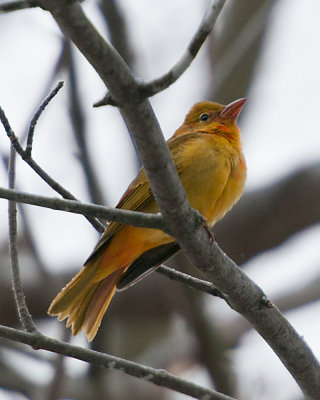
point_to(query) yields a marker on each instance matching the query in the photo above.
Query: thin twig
(163, 82)
(135, 218)
(46, 177)
(191, 281)
(159, 377)
(189, 55)
(28, 234)
(24, 315)
(18, 5)
(37, 115)
(54, 75)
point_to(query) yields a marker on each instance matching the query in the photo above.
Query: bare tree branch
(37, 115)
(18, 5)
(158, 377)
(300, 296)
(22, 308)
(189, 55)
(46, 177)
(157, 85)
(92, 210)
(28, 235)
(196, 283)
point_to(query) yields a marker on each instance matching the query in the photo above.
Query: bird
(207, 153)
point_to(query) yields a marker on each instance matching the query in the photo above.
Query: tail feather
(99, 303)
(78, 309)
(72, 290)
(83, 301)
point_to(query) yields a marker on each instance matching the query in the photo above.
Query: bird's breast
(213, 177)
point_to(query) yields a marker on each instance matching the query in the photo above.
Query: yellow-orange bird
(207, 153)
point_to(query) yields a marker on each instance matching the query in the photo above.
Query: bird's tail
(83, 301)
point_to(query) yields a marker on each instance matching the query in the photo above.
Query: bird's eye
(204, 117)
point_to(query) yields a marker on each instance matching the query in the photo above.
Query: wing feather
(139, 196)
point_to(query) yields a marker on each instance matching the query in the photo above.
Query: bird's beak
(232, 110)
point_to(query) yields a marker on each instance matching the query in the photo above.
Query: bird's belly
(216, 187)
(229, 197)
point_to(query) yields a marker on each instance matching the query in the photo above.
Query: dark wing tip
(147, 263)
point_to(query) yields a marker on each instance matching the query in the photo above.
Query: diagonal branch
(300, 296)
(196, 283)
(156, 376)
(37, 115)
(206, 26)
(26, 156)
(18, 5)
(163, 82)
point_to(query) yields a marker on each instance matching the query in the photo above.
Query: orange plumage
(207, 153)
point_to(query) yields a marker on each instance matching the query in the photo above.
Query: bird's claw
(211, 236)
(204, 223)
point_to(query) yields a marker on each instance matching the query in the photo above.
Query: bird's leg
(204, 223)
(211, 235)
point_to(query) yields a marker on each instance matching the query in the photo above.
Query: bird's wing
(138, 196)
(135, 198)
(147, 263)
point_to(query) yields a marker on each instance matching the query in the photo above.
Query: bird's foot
(211, 235)
(202, 220)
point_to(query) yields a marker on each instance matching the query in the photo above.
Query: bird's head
(210, 117)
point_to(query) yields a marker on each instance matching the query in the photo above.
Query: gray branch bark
(158, 377)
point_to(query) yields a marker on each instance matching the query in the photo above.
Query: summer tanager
(207, 154)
